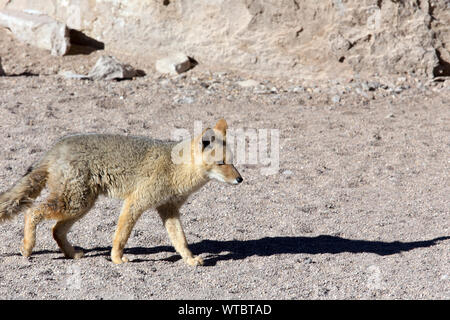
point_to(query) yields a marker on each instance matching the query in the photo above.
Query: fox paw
(25, 252)
(76, 254)
(119, 260)
(194, 261)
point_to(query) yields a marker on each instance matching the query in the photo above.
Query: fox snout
(225, 173)
(238, 179)
(235, 179)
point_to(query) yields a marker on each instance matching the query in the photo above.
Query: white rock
(248, 83)
(38, 30)
(183, 100)
(296, 89)
(336, 99)
(72, 75)
(174, 64)
(106, 68)
(109, 68)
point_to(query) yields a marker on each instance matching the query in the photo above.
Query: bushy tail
(22, 194)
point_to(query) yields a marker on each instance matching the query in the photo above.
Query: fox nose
(239, 179)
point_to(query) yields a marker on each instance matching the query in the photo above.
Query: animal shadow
(268, 246)
(217, 250)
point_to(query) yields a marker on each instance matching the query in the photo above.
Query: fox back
(111, 164)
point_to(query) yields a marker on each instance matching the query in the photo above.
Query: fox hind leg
(32, 218)
(66, 208)
(60, 230)
(72, 210)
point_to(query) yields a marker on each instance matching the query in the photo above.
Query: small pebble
(336, 99)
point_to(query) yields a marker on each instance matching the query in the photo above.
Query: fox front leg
(170, 216)
(127, 219)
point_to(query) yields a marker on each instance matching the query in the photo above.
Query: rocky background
(290, 38)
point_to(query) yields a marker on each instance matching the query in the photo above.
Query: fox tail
(21, 195)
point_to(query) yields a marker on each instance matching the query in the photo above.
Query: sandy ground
(358, 209)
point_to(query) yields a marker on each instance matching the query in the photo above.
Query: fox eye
(205, 143)
(220, 163)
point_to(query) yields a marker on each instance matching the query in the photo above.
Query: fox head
(217, 159)
(208, 155)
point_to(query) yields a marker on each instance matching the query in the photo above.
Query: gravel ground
(358, 209)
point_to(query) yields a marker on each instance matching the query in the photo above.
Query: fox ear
(221, 126)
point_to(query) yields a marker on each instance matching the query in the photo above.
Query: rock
(401, 80)
(365, 86)
(174, 64)
(109, 68)
(71, 75)
(164, 82)
(184, 100)
(106, 68)
(221, 74)
(308, 260)
(398, 89)
(38, 30)
(376, 136)
(339, 46)
(361, 92)
(296, 89)
(373, 85)
(336, 99)
(248, 83)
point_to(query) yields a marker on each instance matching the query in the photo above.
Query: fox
(141, 171)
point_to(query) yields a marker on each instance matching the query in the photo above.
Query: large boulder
(37, 29)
